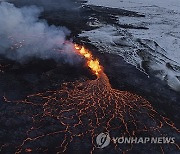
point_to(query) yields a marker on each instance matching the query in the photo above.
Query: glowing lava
(92, 63)
(69, 119)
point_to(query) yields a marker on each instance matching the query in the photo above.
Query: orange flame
(92, 63)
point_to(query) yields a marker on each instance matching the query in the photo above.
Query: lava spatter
(69, 119)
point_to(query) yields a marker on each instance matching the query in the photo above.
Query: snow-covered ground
(162, 18)
(134, 4)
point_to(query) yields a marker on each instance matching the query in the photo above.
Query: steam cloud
(23, 36)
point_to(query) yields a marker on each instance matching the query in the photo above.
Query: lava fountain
(69, 119)
(92, 63)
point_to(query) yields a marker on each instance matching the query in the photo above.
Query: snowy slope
(133, 4)
(162, 18)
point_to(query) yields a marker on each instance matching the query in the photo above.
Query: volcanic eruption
(68, 119)
(92, 63)
(78, 111)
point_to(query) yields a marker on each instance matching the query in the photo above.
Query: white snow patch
(133, 4)
(163, 20)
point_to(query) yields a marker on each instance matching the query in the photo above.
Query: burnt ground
(19, 80)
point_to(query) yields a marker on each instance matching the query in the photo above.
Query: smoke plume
(23, 36)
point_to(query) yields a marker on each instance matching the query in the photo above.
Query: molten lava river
(69, 119)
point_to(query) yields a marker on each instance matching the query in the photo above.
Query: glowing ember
(92, 63)
(28, 150)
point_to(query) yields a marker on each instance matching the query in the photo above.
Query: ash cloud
(24, 36)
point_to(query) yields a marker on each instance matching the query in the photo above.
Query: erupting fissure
(70, 118)
(92, 63)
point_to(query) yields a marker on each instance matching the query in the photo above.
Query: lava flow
(69, 119)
